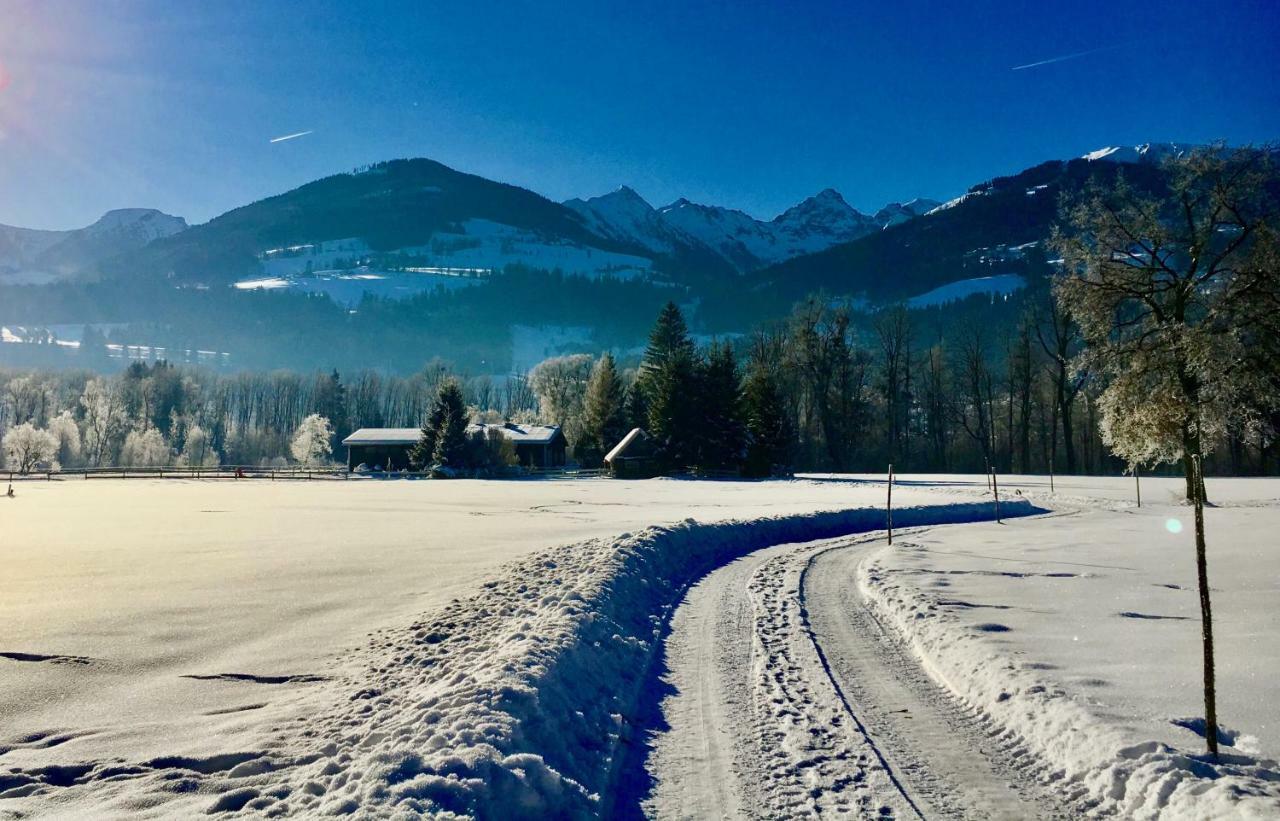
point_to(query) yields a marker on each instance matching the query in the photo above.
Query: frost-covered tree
(311, 443)
(198, 450)
(103, 420)
(1177, 292)
(26, 447)
(561, 386)
(67, 432)
(145, 449)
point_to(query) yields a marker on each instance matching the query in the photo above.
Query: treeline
(261, 330)
(826, 389)
(833, 389)
(161, 414)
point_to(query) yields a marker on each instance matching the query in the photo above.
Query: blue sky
(121, 103)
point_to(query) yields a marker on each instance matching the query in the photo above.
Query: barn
(388, 448)
(636, 456)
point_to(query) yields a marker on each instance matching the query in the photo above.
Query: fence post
(888, 505)
(1137, 481)
(995, 490)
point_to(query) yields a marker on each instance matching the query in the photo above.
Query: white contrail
(291, 136)
(1064, 57)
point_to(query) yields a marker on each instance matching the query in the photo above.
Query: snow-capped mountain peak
(814, 224)
(1145, 153)
(624, 216)
(33, 256)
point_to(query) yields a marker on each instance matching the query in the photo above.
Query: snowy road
(790, 699)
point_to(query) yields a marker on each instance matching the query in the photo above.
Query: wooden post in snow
(995, 490)
(1137, 483)
(888, 506)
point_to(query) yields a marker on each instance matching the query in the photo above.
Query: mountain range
(422, 215)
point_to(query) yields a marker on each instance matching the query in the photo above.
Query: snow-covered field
(170, 628)
(486, 648)
(1078, 636)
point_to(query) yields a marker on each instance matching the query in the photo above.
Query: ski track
(792, 701)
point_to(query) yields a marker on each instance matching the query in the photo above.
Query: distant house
(636, 456)
(388, 448)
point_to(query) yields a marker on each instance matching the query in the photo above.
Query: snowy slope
(999, 285)
(1145, 153)
(896, 213)
(465, 255)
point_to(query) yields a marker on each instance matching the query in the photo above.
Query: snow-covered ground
(166, 643)
(1077, 635)
(488, 648)
(998, 286)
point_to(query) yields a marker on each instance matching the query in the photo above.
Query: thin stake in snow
(995, 491)
(1137, 483)
(888, 506)
(1206, 613)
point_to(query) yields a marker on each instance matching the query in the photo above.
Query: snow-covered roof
(520, 434)
(620, 449)
(384, 436)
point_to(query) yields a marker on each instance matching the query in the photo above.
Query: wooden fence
(287, 473)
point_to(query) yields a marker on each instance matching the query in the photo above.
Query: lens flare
(1173, 525)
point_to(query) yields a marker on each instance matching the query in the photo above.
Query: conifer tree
(451, 436)
(768, 432)
(604, 417)
(722, 435)
(635, 408)
(669, 379)
(444, 432)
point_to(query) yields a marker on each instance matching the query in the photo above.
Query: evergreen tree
(444, 432)
(604, 416)
(331, 403)
(722, 435)
(768, 433)
(451, 435)
(669, 380)
(634, 407)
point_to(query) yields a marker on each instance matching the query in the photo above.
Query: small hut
(635, 457)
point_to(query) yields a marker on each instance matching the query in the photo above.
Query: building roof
(384, 436)
(635, 445)
(520, 434)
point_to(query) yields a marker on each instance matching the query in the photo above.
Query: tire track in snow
(816, 719)
(945, 755)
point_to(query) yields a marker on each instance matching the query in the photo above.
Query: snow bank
(1061, 739)
(512, 702)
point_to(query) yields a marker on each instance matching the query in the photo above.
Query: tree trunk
(1206, 616)
(1068, 434)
